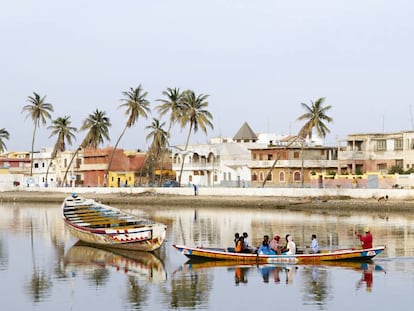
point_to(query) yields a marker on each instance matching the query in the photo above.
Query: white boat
(103, 225)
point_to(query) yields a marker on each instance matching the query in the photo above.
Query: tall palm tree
(195, 114)
(64, 132)
(4, 135)
(97, 124)
(136, 105)
(315, 116)
(159, 140)
(173, 105)
(39, 111)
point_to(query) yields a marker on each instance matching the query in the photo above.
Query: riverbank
(151, 198)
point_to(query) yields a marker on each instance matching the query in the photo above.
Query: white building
(223, 162)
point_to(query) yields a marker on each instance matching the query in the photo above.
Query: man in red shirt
(366, 239)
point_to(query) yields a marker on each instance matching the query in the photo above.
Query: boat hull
(200, 253)
(102, 225)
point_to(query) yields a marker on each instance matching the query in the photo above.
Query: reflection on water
(43, 267)
(143, 265)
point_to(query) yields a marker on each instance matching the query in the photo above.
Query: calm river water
(42, 267)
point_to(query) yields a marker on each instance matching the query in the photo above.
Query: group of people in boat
(276, 247)
(271, 247)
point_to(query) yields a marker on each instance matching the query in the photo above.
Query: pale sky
(258, 60)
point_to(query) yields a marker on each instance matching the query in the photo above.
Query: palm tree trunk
(112, 155)
(163, 151)
(277, 159)
(185, 149)
(31, 159)
(70, 164)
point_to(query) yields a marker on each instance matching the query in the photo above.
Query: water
(42, 267)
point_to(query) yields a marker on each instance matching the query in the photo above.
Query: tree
(159, 140)
(315, 116)
(195, 114)
(136, 106)
(173, 105)
(39, 111)
(4, 135)
(64, 132)
(98, 125)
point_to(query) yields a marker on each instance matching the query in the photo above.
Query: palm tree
(315, 116)
(64, 132)
(4, 135)
(172, 104)
(195, 114)
(98, 125)
(39, 111)
(159, 140)
(136, 105)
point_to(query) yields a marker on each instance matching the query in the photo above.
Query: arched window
(282, 177)
(269, 177)
(296, 176)
(261, 176)
(254, 176)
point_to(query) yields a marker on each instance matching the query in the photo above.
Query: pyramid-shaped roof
(245, 134)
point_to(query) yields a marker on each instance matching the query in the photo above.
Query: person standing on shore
(195, 189)
(366, 240)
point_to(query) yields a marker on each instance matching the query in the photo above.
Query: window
(296, 155)
(254, 156)
(254, 176)
(382, 167)
(398, 144)
(269, 177)
(261, 176)
(399, 163)
(282, 177)
(36, 165)
(381, 145)
(296, 176)
(269, 156)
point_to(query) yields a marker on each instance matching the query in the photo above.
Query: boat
(143, 265)
(347, 254)
(103, 225)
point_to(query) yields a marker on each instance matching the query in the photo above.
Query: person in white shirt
(314, 245)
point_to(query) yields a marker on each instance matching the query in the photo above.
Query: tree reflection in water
(3, 255)
(137, 294)
(316, 287)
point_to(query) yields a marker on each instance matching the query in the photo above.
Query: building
(290, 162)
(377, 152)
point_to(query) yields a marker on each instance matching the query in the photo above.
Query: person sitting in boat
(247, 248)
(314, 248)
(275, 245)
(236, 238)
(264, 248)
(366, 240)
(290, 248)
(239, 245)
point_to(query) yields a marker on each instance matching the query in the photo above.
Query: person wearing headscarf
(274, 244)
(366, 239)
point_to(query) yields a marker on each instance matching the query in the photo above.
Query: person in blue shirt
(314, 245)
(265, 248)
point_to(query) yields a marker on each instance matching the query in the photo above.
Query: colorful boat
(348, 254)
(103, 225)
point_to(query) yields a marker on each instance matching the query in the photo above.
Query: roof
(245, 133)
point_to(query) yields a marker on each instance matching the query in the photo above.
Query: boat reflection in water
(143, 265)
(279, 273)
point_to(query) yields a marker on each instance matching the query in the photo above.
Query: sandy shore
(153, 199)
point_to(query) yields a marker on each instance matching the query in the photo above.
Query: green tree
(136, 105)
(173, 105)
(159, 142)
(39, 111)
(61, 127)
(315, 116)
(4, 135)
(97, 124)
(195, 115)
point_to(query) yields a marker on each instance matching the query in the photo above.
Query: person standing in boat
(366, 240)
(314, 245)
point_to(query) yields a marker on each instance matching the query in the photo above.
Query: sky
(257, 61)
